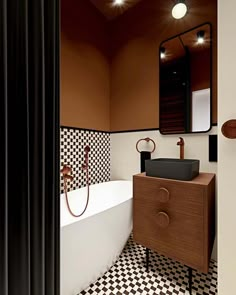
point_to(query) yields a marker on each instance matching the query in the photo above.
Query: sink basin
(179, 169)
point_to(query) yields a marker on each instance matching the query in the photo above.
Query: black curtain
(29, 147)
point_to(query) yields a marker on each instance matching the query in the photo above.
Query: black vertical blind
(29, 147)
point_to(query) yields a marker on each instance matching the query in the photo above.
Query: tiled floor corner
(128, 276)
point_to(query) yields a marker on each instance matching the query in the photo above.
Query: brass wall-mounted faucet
(65, 172)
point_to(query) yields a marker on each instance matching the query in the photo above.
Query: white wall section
(227, 147)
(125, 160)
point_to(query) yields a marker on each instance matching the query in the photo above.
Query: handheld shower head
(87, 149)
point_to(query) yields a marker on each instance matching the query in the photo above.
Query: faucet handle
(65, 169)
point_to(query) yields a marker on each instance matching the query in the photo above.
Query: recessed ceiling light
(200, 37)
(118, 2)
(179, 10)
(162, 52)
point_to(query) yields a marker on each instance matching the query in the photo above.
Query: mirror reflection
(185, 82)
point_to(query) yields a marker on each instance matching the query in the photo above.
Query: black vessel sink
(179, 169)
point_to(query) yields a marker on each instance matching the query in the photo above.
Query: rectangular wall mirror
(185, 82)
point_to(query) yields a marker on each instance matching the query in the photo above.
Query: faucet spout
(181, 145)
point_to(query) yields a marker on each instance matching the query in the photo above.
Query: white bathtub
(91, 243)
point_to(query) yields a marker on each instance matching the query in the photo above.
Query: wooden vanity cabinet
(176, 218)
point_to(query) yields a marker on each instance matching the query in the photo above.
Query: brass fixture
(181, 145)
(147, 139)
(70, 177)
(65, 172)
(87, 150)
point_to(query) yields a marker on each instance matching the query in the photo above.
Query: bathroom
(99, 67)
(110, 98)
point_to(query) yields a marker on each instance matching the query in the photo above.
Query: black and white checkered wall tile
(165, 276)
(72, 144)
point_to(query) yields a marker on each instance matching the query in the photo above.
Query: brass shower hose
(65, 170)
(67, 201)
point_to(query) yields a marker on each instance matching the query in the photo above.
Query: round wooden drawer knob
(163, 219)
(163, 195)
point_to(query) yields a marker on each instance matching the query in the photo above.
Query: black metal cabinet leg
(147, 259)
(190, 279)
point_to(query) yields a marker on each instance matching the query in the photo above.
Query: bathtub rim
(73, 219)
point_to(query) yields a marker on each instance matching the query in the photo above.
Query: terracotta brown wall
(135, 38)
(85, 68)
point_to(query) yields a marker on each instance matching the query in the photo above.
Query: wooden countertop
(203, 178)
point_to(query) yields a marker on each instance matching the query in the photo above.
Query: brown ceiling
(174, 47)
(110, 11)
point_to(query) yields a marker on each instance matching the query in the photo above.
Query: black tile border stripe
(105, 131)
(84, 129)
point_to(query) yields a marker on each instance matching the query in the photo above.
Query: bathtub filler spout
(181, 146)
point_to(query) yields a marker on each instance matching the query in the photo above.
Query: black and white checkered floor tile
(129, 276)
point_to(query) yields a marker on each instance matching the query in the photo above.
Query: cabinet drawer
(170, 195)
(171, 233)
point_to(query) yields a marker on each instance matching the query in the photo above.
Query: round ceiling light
(118, 2)
(179, 10)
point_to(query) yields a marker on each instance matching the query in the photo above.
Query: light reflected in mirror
(185, 82)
